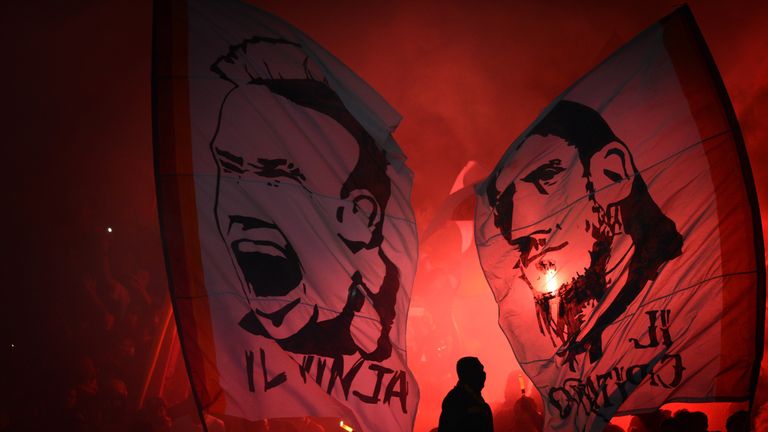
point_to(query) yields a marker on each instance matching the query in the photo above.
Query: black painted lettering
(249, 370)
(602, 382)
(400, 380)
(677, 370)
(620, 383)
(653, 340)
(373, 398)
(305, 366)
(561, 400)
(274, 382)
(585, 394)
(636, 373)
(654, 317)
(337, 372)
(320, 370)
(665, 316)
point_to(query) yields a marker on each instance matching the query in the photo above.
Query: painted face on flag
(300, 204)
(551, 248)
(575, 212)
(657, 311)
(275, 214)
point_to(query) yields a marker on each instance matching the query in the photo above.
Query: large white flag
(285, 212)
(620, 235)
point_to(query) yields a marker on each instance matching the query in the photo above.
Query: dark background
(467, 77)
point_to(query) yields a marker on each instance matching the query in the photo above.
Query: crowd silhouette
(96, 382)
(101, 350)
(465, 410)
(114, 337)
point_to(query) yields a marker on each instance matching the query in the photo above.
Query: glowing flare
(345, 427)
(109, 229)
(551, 281)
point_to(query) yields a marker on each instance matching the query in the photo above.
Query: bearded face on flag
(614, 234)
(583, 268)
(301, 213)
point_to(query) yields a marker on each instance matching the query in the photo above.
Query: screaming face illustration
(584, 268)
(302, 190)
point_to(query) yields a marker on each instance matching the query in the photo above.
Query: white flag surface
(285, 210)
(620, 235)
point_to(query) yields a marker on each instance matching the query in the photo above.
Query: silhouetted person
(670, 425)
(525, 416)
(648, 422)
(738, 422)
(115, 414)
(464, 408)
(514, 415)
(153, 416)
(685, 419)
(699, 422)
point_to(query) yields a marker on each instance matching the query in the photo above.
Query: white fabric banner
(619, 237)
(304, 233)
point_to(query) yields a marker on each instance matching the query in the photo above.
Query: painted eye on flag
(544, 176)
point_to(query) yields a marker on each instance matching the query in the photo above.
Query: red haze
(467, 77)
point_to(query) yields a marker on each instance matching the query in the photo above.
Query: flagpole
(160, 342)
(166, 11)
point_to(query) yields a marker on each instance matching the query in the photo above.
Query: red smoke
(467, 77)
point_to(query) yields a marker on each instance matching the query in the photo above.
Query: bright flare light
(109, 229)
(551, 280)
(345, 427)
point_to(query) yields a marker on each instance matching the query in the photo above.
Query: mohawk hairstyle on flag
(313, 92)
(285, 210)
(367, 185)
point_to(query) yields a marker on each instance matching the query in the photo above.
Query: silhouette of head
(471, 372)
(699, 422)
(738, 422)
(525, 405)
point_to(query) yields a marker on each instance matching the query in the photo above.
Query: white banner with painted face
(301, 247)
(621, 238)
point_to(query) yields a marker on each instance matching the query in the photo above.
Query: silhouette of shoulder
(462, 410)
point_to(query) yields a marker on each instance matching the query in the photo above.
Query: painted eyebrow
(230, 162)
(272, 168)
(535, 177)
(269, 168)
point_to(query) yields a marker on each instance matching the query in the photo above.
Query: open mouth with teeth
(269, 268)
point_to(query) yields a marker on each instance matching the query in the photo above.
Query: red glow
(468, 80)
(467, 77)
